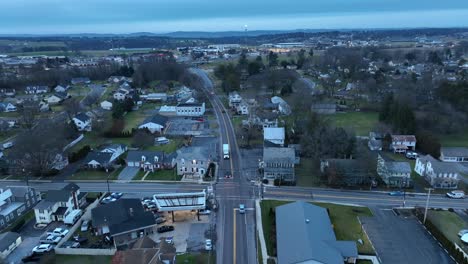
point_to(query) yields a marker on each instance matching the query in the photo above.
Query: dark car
(228, 175)
(116, 195)
(80, 240)
(160, 220)
(164, 229)
(71, 244)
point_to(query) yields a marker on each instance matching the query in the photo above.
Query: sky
(161, 16)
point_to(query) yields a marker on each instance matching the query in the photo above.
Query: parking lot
(188, 127)
(399, 238)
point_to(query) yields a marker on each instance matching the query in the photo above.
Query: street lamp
(427, 203)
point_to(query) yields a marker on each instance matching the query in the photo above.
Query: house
(190, 109)
(304, 234)
(148, 160)
(124, 220)
(324, 108)
(7, 107)
(454, 154)
(14, 202)
(106, 105)
(36, 89)
(348, 172)
(82, 122)
(394, 173)
(56, 98)
(267, 119)
(184, 93)
(403, 143)
(283, 107)
(156, 97)
(119, 79)
(115, 149)
(154, 124)
(98, 160)
(80, 80)
(120, 94)
(278, 163)
(437, 173)
(8, 242)
(274, 135)
(59, 203)
(192, 162)
(375, 141)
(234, 99)
(61, 89)
(242, 108)
(5, 92)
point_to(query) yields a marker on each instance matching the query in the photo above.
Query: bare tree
(91, 99)
(72, 107)
(28, 114)
(142, 139)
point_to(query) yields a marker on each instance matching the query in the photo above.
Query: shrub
(80, 154)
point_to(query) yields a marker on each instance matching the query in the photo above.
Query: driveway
(128, 173)
(400, 238)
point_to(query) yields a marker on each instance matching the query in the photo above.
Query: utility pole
(108, 187)
(427, 203)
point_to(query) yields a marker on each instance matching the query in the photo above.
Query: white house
(168, 110)
(7, 107)
(154, 124)
(106, 105)
(438, 174)
(190, 109)
(242, 108)
(8, 242)
(82, 122)
(36, 89)
(61, 89)
(454, 154)
(192, 162)
(274, 135)
(56, 98)
(115, 149)
(58, 204)
(234, 99)
(403, 143)
(121, 94)
(150, 160)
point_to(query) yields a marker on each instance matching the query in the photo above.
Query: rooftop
(454, 151)
(6, 239)
(180, 201)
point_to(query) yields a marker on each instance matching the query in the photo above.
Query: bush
(276, 182)
(80, 154)
(451, 210)
(265, 181)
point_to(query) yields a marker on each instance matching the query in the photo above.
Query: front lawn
(344, 220)
(361, 122)
(196, 258)
(449, 224)
(307, 174)
(173, 145)
(161, 175)
(133, 119)
(96, 175)
(455, 140)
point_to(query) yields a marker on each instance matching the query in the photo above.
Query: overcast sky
(126, 16)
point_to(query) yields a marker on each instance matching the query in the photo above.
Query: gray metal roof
(305, 234)
(439, 166)
(6, 239)
(454, 152)
(279, 155)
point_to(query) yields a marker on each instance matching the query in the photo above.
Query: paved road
(236, 233)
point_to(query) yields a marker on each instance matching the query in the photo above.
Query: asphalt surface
(394, 237)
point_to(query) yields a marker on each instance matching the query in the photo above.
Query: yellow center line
(234, 238)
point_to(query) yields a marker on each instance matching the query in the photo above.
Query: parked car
(396, 193)
(50, 239)
(71, 244)
(456, 194)
(160, 220)
(463, 232)
(208, 244)
(116, 195)
(204, 212)
(108, 200)
(411, 155)
(42, 248)
(241, 208)
(79, 239)
(85, 226)
(59, 232)
(164, 229)
(228, 175)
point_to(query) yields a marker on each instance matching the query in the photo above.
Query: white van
(456, 194)
(72, 217)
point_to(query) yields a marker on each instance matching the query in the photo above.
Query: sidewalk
(258, 217)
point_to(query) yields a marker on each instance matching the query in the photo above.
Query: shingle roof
(304, 233)
(83, 117)
(157, 119)
(279, 155)
(101, 157)
(57, 196)
(6, 239)
(404, 138)
(398, 166)
(439, 166)
(134, 155)
(454, 151)
(122, 215)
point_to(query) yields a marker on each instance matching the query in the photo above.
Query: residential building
(278, 163)
(394, 173)
(242, 108)
(437, 173)
(59, 203)
(124, 220)
(375, 141)
(57, 98)
(8, 242)
(120, 94)
(403, 143)
(184, 93)
(61, 89)
(38, 89)
(145, 250)
(115, 149)
(283, 107)
(82, 122)
(80, 80)
(190, 109)
(348, 172)
(454, 154)
(154, 124)
(161, 97)
(304, 234)
(274, 135)
(149, 160)
(193, 162)
(119, 79)
(98, 160)
(7, 107)
(14, 202)
(234, 99)
(106, 105)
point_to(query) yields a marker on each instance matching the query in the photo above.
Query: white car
(84, 226)
(456, 194)
(464, 238)
(208, 245)
(59, 232)
(204, 212)
(463, 232)
(42, 248)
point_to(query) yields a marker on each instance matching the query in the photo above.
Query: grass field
(456, 140)
(174, 144)
(161, 175)
(96, 175)
(361, 122)
(307, 174)
(343, 218)
(196, 258)
(448, 223)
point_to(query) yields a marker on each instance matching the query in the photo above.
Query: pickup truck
(456, 194)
